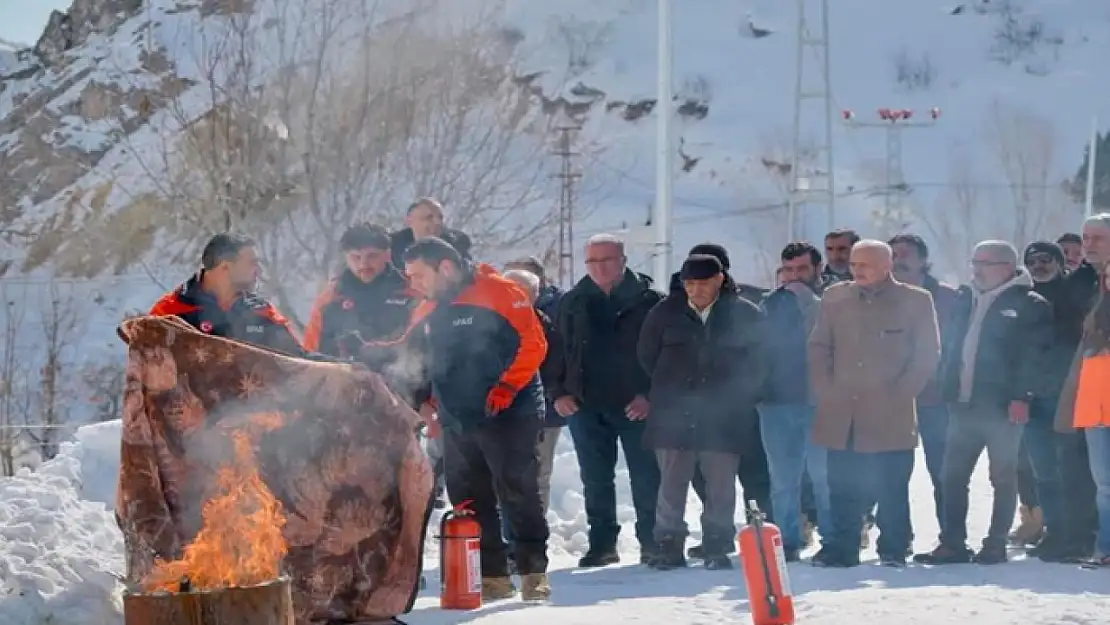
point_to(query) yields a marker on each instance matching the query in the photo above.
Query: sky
(22, 21)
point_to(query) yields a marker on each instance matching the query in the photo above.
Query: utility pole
(567, 176)
(817, 186)
(893, 122)
(1092, 158)
(664, 146)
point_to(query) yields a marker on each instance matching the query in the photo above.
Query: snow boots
(1031, 527)
(535, 587)
(497, 588)
(669, 554)
(598, 557)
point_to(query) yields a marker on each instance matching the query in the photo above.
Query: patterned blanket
(335, 447)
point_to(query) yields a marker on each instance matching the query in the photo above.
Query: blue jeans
(1098, 449)
(786, 431)
(932, 423)
(596, 434)
(1041, 442)
(854, 478)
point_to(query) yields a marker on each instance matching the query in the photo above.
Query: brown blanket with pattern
(345, 463)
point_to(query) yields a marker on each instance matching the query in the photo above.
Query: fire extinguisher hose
(447, 516)
(756, 518)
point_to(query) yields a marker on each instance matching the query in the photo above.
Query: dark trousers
(494, 462)
(1026, 480)
(596, 434)
(932, 423)
(972, 429)
(855, 480)
(1080, 514)
(755, 479)
(1040, 443)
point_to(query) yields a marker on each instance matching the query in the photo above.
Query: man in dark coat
(992, 372)
(425, 219)
(787, 409)
(703, 354)
(1039, 483)
(602, 390)
(755, 478)
(1081, 287)
(911, 266)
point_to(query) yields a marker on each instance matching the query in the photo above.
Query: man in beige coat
(873, 348)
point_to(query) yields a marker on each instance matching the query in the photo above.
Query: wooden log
(265, 604)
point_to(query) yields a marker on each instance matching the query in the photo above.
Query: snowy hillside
(135, 129)
(60, 553)
(86, 131)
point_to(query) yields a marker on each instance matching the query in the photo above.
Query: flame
(240, 543)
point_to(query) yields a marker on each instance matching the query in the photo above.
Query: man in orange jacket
(482, 346)
(220, 299)
(370, 297)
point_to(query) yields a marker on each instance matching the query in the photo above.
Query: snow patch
(61, 555)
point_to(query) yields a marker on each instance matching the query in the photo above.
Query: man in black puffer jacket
(602, 390)
(702, 350)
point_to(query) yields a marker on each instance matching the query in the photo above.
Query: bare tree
(349, 118)
(60, 322)
(961, 217)
(12, 382)
(1017, 199)
(1024, 147)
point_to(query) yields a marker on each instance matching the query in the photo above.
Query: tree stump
(266, 604)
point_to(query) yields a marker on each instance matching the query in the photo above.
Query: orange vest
(1092, 398)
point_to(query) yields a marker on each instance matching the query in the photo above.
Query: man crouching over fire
(483, 346)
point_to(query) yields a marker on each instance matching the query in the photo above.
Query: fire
(240, 543)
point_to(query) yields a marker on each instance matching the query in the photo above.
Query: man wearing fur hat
(702, 351)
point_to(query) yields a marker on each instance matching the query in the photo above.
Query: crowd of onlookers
(814, 393)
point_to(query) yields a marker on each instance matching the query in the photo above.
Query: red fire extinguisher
(764, 563)
(460, 559)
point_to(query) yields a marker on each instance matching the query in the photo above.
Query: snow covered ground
(60, 553)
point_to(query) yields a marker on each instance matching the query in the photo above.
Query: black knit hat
(714, 250)
(1044, 247)
(700, 267)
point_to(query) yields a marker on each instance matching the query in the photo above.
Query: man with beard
(425, 219)
(1081, 287)
(838, 250)
(999, 338)
(1046, 263)
(786, 412)
(873, 348)
(369, 298)
(911, 266)
(220, 299)
(602, 391)
(484, 346)
(1072, 245)
(702, 351)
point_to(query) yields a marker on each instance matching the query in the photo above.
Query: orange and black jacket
(379, 310)
(251, 319)
(482, 336)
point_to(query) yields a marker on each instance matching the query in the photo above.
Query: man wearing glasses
(993, 373)
(602, 390)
